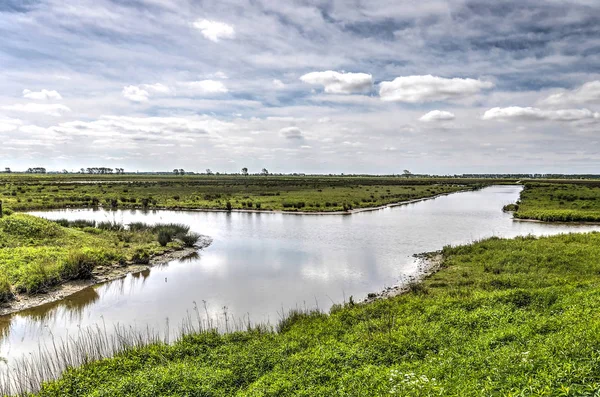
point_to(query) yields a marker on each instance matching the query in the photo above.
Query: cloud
(205, 87)
(41, 95)
(535, 114)
(7, 124)
(135, 93)
(418, 89)
(278, 84)
(340, 83)
(214, 30)
(291, 133)
(42, 108)
(437, 115)
(157, 87)
(587, 93)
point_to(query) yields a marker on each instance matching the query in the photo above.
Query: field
(503, 317)
(22, 192)
(37, 254)
(559, 202)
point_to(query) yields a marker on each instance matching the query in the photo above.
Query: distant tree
(176, 171)
(36, 170)
(208, 171)
(244, 171)
(264, 172)
(181, 171)
(65, 171)
(7, 170)
(82, 171)
(407, 173)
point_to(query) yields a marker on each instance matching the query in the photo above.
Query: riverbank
(272, 193)
(101, 274)
(43, 260)
(499, 317)
(559, 203)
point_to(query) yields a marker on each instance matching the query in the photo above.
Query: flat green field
(560, 202)
(288, 193)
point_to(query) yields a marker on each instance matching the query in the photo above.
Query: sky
(315, 86)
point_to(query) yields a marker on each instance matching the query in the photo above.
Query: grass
(502, 318)
(38, 254)
(553, 202)
(22, 192)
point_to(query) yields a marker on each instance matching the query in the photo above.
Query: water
(260, 264)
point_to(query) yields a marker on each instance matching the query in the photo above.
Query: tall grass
(27, 374)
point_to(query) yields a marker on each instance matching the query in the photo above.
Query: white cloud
(8, 124)
(205, 87)
(135, 93)
(157, 87)
(533, 114)
(43, 108)
(278, 84)
(41, 95)
(587, 93)
(417, 89)
(291, 133)
(437, 115)
(340, 83)
(214, 30)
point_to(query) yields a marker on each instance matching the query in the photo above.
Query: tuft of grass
(189, 239)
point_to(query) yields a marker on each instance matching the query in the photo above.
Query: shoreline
(583, 223)
(429, 264)
(349, 212)
(102, 274)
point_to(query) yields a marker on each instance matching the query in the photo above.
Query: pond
(261, 264)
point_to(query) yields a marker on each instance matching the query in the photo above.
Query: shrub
(77, 266)
(189, 239)
(164, 237)
(228, 206)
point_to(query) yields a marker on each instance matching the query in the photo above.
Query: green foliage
(560, 202)
(164, 238)
(37, 254)
(26, 226)
(189, 239)
(502, 318)
(289, 193)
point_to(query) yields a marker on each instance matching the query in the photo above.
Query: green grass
(37, 254)
(502, 318)
(287, 193)
(560, 202)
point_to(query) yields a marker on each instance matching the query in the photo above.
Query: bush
(164, 238)
(189, 239)
(77, 266)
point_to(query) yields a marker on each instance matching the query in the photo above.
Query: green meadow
(564, 202)
(22, 192)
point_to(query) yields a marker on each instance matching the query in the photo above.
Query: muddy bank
(429, 263)
(101, 274)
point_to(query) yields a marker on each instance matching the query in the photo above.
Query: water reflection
(261, 263)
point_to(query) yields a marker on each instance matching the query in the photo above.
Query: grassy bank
(502, 317)
(26, 192)
(554, 202)
(37, 254)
